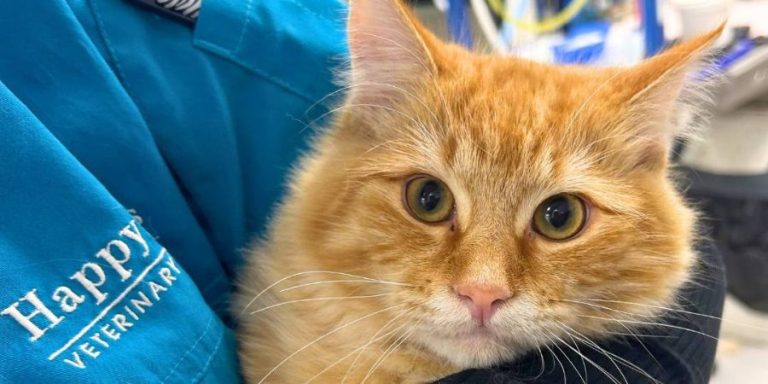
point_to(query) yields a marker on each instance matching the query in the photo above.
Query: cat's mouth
(474, 347)
(478, 336)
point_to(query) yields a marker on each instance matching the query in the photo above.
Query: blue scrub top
(138, 156)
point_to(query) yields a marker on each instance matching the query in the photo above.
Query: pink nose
(482, 300)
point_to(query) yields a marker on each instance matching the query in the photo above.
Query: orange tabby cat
(462, 208)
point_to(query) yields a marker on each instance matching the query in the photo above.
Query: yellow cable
(546, 25)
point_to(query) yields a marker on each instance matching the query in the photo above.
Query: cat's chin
(478, 348)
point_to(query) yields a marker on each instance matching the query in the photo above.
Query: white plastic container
(699, 16)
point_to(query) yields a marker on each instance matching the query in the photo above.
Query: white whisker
(331, 332)
(583, 363)
(658, 307)
(557, 359)
(599, 368)
(590, 343)
(366, 345)
(356, 350)
(359, 281)
(653, 324)
(253, 300)
(388, 352)
(543, 363)
(318, 299)
(583, 379)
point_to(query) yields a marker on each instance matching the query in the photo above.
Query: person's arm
(108, 110)
(681, 350)
(90, 292)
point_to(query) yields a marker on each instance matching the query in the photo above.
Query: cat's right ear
(388, 51)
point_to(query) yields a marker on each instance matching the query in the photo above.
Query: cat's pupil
(558, 212)
(430, 196)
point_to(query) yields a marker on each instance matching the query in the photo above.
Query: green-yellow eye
(428, 199)
(560, 217)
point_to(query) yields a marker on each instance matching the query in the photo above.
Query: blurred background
(725, 170)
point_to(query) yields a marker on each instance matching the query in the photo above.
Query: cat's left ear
(390, 52)
(655, 93)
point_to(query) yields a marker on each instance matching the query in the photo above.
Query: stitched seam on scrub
(228, 54)
(247, 21)
(119, 73)
(113, 55)
(294, 2)
(207, 365)
(190, 349)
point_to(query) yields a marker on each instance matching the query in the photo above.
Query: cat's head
(514, 201)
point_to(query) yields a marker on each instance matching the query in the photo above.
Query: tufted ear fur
(388, 50)
(657, 96)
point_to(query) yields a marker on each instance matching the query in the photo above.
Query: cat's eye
(560, 217)
(428, 199)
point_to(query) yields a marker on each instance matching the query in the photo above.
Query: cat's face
(515, 203)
